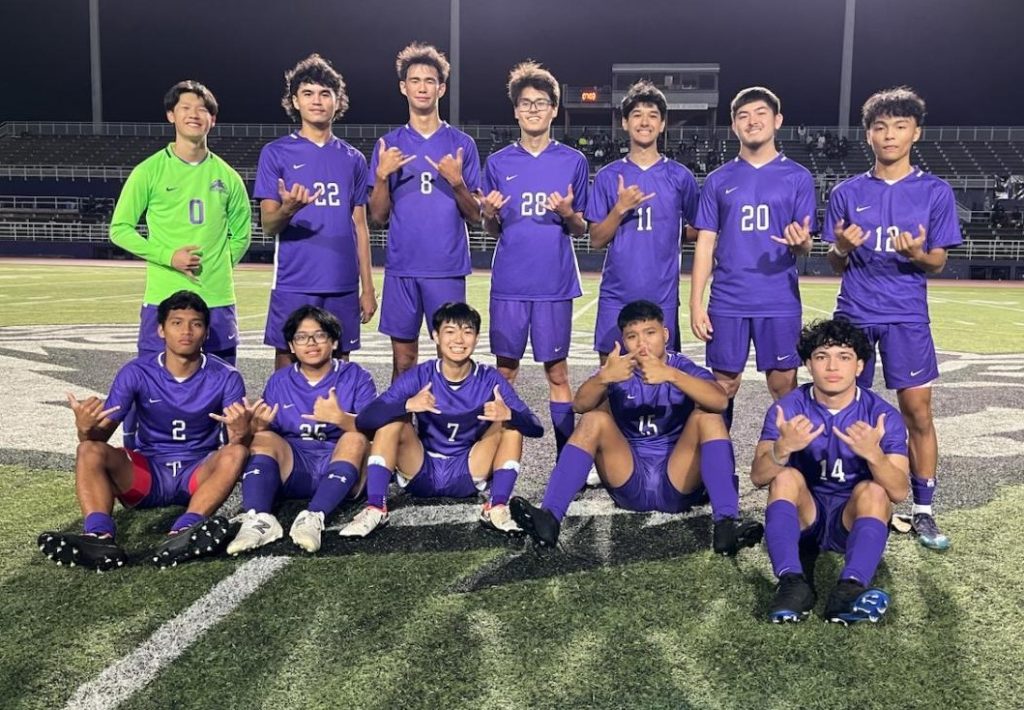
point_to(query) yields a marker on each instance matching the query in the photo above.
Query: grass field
(434, 613)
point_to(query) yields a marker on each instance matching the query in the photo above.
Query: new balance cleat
(98, 553)
(732, 535)
(499, 518)
(542, 527)
(851, 603)
(257, 530)
(366, 521)
(794, 599)
(200, 539)
(307, 530)
(928, 533)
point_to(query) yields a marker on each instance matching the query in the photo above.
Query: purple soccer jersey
(828, 464)
(534, 259)
(174, 417)
(746, 206)
(652, 417)
(294, 395)
(456, 428)
(316, 252)
(879, 285)
(643, 258)
(427, 235)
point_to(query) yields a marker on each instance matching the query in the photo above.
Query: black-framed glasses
(535, 105)
(319, 337)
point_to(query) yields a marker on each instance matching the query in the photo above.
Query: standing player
(428, 243)
(198, 221)
(312, 189)
(834, 458)
(761, 209)
(469, 429)
(181, 397)
(305, 443)
(651, 425)
(638, 209)
(536, 192)
(890, 227)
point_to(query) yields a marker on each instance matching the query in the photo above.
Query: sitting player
(469, 429)
(305, 443)
(182, 397)
(834, 458)
(651, 424)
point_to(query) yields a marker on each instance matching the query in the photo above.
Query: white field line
(585, 308)
(136, 670)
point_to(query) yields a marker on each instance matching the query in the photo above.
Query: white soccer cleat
(258, 529)
(307, 530)
(497, 517)
(366, 521)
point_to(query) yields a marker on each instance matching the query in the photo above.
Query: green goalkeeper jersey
(204, 205)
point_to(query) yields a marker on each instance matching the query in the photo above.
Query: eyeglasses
(535, 105)
(319, 337)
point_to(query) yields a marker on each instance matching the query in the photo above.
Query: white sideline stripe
(133, 672)
(585, 308)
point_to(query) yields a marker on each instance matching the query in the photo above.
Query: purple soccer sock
(99, 524)
(378, 478)
(782, 537)
(503, 481)
(923, 489)
(185, 520)
(337, 481)
(727, 414)
(261, 479)
(864, 548)
(563, 421)
(567, 479)
(717, 471)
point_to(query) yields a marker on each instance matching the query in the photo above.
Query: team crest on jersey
(218, 186)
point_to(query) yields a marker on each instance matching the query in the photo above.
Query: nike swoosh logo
(510, 177)
(170, 188)
(232, 336)
(861, 209)
(287, 406)
(558, 350)
(353, 342)
(298, 165)
(154, 401)
(629, 396)
(731, 189)
(780, 358)
(915, 373)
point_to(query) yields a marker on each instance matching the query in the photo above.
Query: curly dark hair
(314, 69)
(898, 102)
(829, 333)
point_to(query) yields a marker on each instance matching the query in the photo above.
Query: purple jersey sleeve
(690, 197)
(943, 222)
(234, 388)
(366, 390)
(707, 207)
(390, 405)
(470, 164)
(806, 201)
(123, 391)
(580, 186)
(267, 173)
(836, 212)
(894, 440)
(603, 195)
(523, 419)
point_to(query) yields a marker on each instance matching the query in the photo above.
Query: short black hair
(639, 311)
(752, 94)
(190, 86)
(644, 92)
(325, 319)
(898, 102)
(531, 74)
(314, 69)
(829, 333)
(458, 313)
(420, 53)
(183, 301)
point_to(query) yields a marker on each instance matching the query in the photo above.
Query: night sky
(964, 56)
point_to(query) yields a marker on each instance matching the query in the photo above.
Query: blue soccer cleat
(793, 601)
(851, 603)
(928, 533)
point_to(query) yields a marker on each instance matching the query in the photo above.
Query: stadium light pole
(94, 64)
(453, 79)
(846, 75)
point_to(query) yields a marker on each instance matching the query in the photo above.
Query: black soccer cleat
(732, 535)
(794, 599)
(98, 553)
(197, 540)
(539, 524)
(850, 603)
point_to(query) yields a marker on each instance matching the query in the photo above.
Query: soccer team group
(654, 426)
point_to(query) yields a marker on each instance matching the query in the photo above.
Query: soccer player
(181, 397)
(425, 174)
(536, 193)
(305, 444)
(312, 189)
(890, 228)
(638, 208)
(651, 424)
(834, 458)
(198, 221)
(469, 429)
(760, 207)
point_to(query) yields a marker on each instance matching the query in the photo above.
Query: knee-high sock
(568, 478)
(923, 490)
(337, 481)
(378, 478)
(864, 548)
(261, 480)
(503, 481)
(782, 537)
(718, 471)
(563, 421)
(185, 520)
(99, 524)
